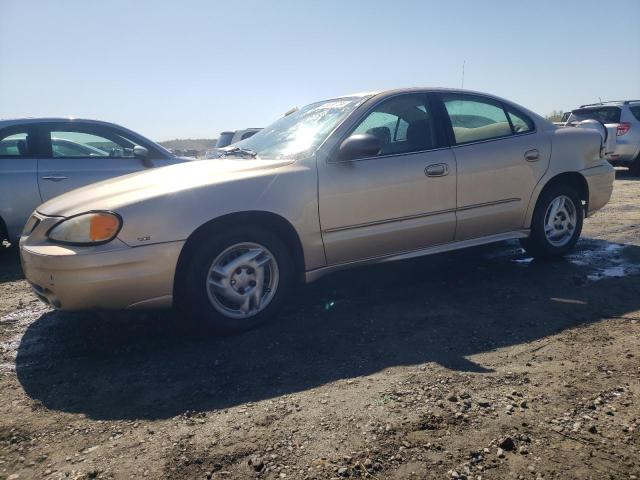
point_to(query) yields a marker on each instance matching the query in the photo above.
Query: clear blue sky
(192, 68)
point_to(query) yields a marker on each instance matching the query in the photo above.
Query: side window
(78, 143)
(475, 119)
(520, 122)
(636, 111)
(16, 144)
(403, 124)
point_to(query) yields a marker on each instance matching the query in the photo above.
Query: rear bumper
(624, 154)
(600, 182)
(108, 277)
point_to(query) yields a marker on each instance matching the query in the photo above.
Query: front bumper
(113, 276)
(600, 182)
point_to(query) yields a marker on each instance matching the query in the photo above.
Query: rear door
(500, 157)
(19, 195)
(83, 153)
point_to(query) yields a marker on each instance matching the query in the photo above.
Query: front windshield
(298, 135)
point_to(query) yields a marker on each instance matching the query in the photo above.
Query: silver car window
(474, 119)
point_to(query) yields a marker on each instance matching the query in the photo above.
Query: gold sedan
(339, 183)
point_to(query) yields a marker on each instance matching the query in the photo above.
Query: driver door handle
(532, 155)
(54, 178)
(437, 170)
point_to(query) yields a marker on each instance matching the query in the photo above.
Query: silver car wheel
(242, 280)
(560, 221)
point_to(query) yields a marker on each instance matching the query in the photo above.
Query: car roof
(5, 122)
(610, 103)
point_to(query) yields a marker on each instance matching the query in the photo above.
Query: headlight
(86, 229)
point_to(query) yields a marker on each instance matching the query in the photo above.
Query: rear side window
(602, 114)
(636, 111)
(16, 144)
(474, 119)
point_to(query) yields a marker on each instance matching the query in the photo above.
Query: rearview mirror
(361, 145)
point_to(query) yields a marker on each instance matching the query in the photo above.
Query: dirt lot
(475, 364)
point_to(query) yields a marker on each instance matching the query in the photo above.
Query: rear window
(603, 114)
(225, 139)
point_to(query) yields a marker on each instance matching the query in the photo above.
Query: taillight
(623, 128)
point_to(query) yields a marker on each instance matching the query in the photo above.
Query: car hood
(118, 192)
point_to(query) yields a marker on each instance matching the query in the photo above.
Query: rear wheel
(4, 238)
(556, 224)
(237, 280)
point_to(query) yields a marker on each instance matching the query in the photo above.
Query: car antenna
(463, 62)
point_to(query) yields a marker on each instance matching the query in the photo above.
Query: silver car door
(19, 194)
(81, 154)
(500, 157)
(400, 200)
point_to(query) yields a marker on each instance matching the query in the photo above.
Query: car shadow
(439, 309)
(10, 269)
(625, 174)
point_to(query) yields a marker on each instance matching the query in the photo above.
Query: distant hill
(190, 143)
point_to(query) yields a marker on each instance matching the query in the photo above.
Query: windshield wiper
(239, 151)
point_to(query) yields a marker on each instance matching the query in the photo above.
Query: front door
(400, 200)
(82, 154)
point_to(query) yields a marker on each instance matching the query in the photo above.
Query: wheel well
(4, 233)
(574, 179)
(267, 220)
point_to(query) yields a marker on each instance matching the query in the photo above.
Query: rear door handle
(437, 170)
(532, 155)
(54, 178)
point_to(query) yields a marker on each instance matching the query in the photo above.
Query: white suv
(625, 116)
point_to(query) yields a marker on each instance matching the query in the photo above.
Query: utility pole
(463, 62)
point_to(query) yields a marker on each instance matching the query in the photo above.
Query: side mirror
(142, 154)
(361, 145)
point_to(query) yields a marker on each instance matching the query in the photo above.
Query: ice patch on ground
(17, 321)
(606, 260)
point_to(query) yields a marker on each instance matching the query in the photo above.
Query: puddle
(523, 261)
(604, 259)
(600, 258)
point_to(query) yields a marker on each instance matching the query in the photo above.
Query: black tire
(194, 298)
(3, 238)
(537, 244)
(634, 168)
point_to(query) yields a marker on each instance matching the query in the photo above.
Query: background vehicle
(344, 182)
(229, 138)
(43, 158)
(625, 117)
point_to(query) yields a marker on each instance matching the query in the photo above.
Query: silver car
(43, 158)
(339, 183)
(625, 117)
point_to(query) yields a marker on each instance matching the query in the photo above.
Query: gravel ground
(479, 364)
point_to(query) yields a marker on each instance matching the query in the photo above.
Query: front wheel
(237, 280)
(634, 168)
(556, 224)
